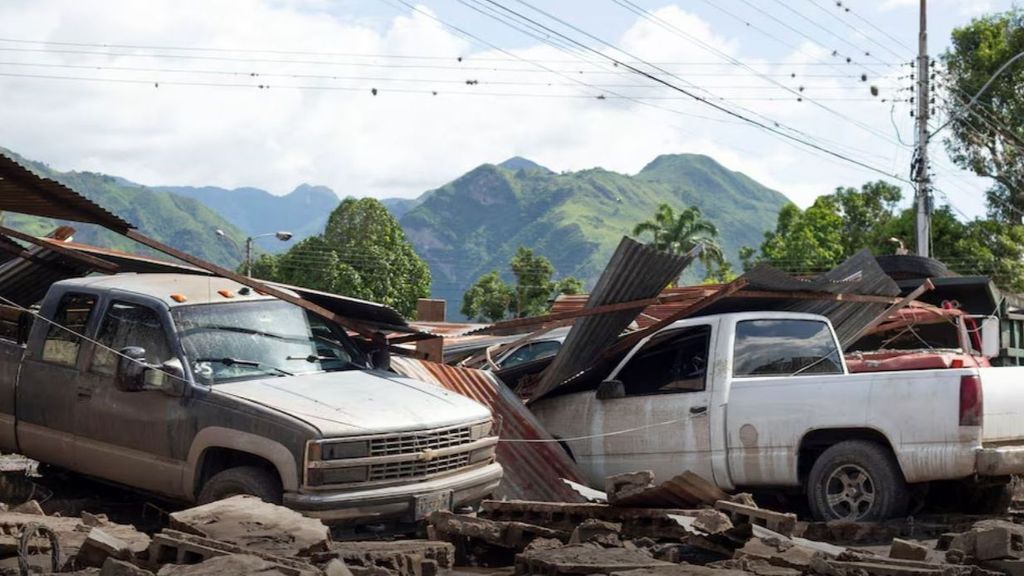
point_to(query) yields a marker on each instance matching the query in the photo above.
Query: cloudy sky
(390, 98)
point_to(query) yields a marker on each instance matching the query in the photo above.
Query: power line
(855, 29)
(691, 94)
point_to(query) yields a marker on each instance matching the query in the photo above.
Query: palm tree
(678, 234)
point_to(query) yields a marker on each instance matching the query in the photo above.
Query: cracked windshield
(246, 340)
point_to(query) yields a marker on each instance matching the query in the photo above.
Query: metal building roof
(25, 192)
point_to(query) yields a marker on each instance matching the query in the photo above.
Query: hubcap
(849, 492)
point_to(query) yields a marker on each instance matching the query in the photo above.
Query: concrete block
(581, 560)
(993, 544)
(99, 546)
(906, 550)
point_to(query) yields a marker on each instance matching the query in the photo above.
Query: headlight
(338, 450)
(481, 430)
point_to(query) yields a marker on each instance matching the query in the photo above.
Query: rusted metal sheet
(25, 192)
(26, 280)
(635, 271)
(534, 469)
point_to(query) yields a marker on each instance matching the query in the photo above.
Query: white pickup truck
(763, 400)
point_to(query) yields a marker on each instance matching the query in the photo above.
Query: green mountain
(303, 212)
(181, 222)
(475, 223)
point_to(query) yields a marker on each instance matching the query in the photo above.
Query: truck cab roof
(172, 289)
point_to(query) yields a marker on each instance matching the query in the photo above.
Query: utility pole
(922, 195)
(248, 256)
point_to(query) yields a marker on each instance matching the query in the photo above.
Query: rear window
(784, 348)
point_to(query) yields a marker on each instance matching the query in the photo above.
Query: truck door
(135, 438)
(666, 402)
(49, 385)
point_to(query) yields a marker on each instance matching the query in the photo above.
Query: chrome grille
(413, 442)
(414, 469)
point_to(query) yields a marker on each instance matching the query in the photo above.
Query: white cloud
(335, 132)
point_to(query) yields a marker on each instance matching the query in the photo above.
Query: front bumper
(394, 502)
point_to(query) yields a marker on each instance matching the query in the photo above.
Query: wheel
(251, 480)
(856, 480)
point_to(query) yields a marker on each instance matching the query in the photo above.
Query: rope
(32, 529)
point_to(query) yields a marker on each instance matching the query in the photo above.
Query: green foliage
(680, 233)
(475, 224)
(988, 138)
(362, 253)
(838, 225)
(491, 299)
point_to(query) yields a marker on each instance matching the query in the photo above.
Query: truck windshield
(245, 340)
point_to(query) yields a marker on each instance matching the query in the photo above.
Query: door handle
(84, 392)
(698, 409)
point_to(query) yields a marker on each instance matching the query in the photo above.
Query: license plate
(425, 504)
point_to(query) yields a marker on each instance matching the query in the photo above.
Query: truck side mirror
(610, 389)
(168, 378)
(131, 369)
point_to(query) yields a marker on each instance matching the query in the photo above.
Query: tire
(864, 480)
(250, 480)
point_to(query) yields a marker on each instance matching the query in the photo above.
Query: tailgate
(1003, 393)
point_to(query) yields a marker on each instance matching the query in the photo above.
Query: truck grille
(415, 442)
(398, 470)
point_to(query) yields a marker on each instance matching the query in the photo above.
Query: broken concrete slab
(597, 531)
(682, 491)
(743, 514)
(583, 559)
(564, 517)
(680, 570)
(173, 547)
(994, 544)
(114, 567)
(628, 484)
(712, 522)
(99, 545)
(231, 565)
(513, 535)
(1009, 567)
(907, 550)
(402, 557)
(255, 525)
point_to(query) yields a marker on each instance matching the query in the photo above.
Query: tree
(491, 299)
(988, 137)
(362, 253)
(682, 232)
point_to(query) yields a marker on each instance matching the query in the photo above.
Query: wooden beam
(98, 263)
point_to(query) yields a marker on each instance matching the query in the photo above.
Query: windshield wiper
(242, 362)
(243, 330)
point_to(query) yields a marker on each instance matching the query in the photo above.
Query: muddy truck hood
(356, 402)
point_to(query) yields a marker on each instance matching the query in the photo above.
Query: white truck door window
(666, 381)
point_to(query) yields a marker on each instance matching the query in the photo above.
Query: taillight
(970, 400)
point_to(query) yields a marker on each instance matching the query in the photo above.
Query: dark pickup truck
(199, 388)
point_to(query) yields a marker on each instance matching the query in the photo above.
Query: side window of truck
(63, 338)
(674, 361)
(129, 325)
(784, 348)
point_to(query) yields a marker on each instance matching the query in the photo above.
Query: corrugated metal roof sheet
(27, 281)
(25, 192)
(635, 271)
(533, 470)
